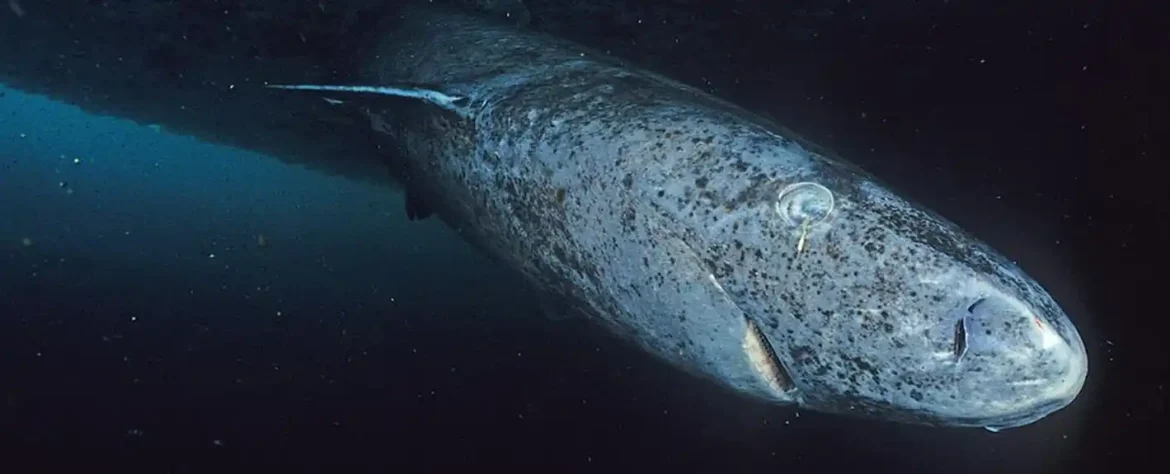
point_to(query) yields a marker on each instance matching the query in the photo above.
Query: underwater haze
(163, 295)
(169, 304)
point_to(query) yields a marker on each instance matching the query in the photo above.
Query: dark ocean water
(168, 305)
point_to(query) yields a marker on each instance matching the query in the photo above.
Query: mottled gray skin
(651, 207)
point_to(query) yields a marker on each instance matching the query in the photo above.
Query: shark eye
(804, 203)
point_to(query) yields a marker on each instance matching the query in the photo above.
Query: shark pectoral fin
(416, 206)
(433, 95)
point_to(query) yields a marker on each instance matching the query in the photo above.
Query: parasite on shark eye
(803, 204)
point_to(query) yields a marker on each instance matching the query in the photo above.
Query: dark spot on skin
(801, 353)
(916, 395)
(701, 182)
(952, 243)
(864, 366)
(629, 218)
(560, 195)
(628, 181)
(877, 244)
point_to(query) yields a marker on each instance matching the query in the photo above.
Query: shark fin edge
(433, 95)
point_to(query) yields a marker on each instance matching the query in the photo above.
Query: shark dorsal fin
(452, 102)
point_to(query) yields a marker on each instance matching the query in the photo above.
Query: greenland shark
(708, 236)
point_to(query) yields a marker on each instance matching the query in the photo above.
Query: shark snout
(1025, 366)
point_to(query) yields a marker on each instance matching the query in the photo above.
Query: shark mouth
(762, 358)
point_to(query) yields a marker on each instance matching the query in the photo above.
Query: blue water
(167, 305)
(153, 287)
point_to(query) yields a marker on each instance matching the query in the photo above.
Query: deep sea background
(173, 305)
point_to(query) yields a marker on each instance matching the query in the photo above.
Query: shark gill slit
(758, 350)
(763, 358)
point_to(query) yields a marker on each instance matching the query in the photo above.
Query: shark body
(705, 234)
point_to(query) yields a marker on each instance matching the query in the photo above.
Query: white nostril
(961, 339)
(959, 346)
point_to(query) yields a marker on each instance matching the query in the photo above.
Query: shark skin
(711, 237)
(706, 235)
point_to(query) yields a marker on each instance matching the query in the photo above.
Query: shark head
(850, 299)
